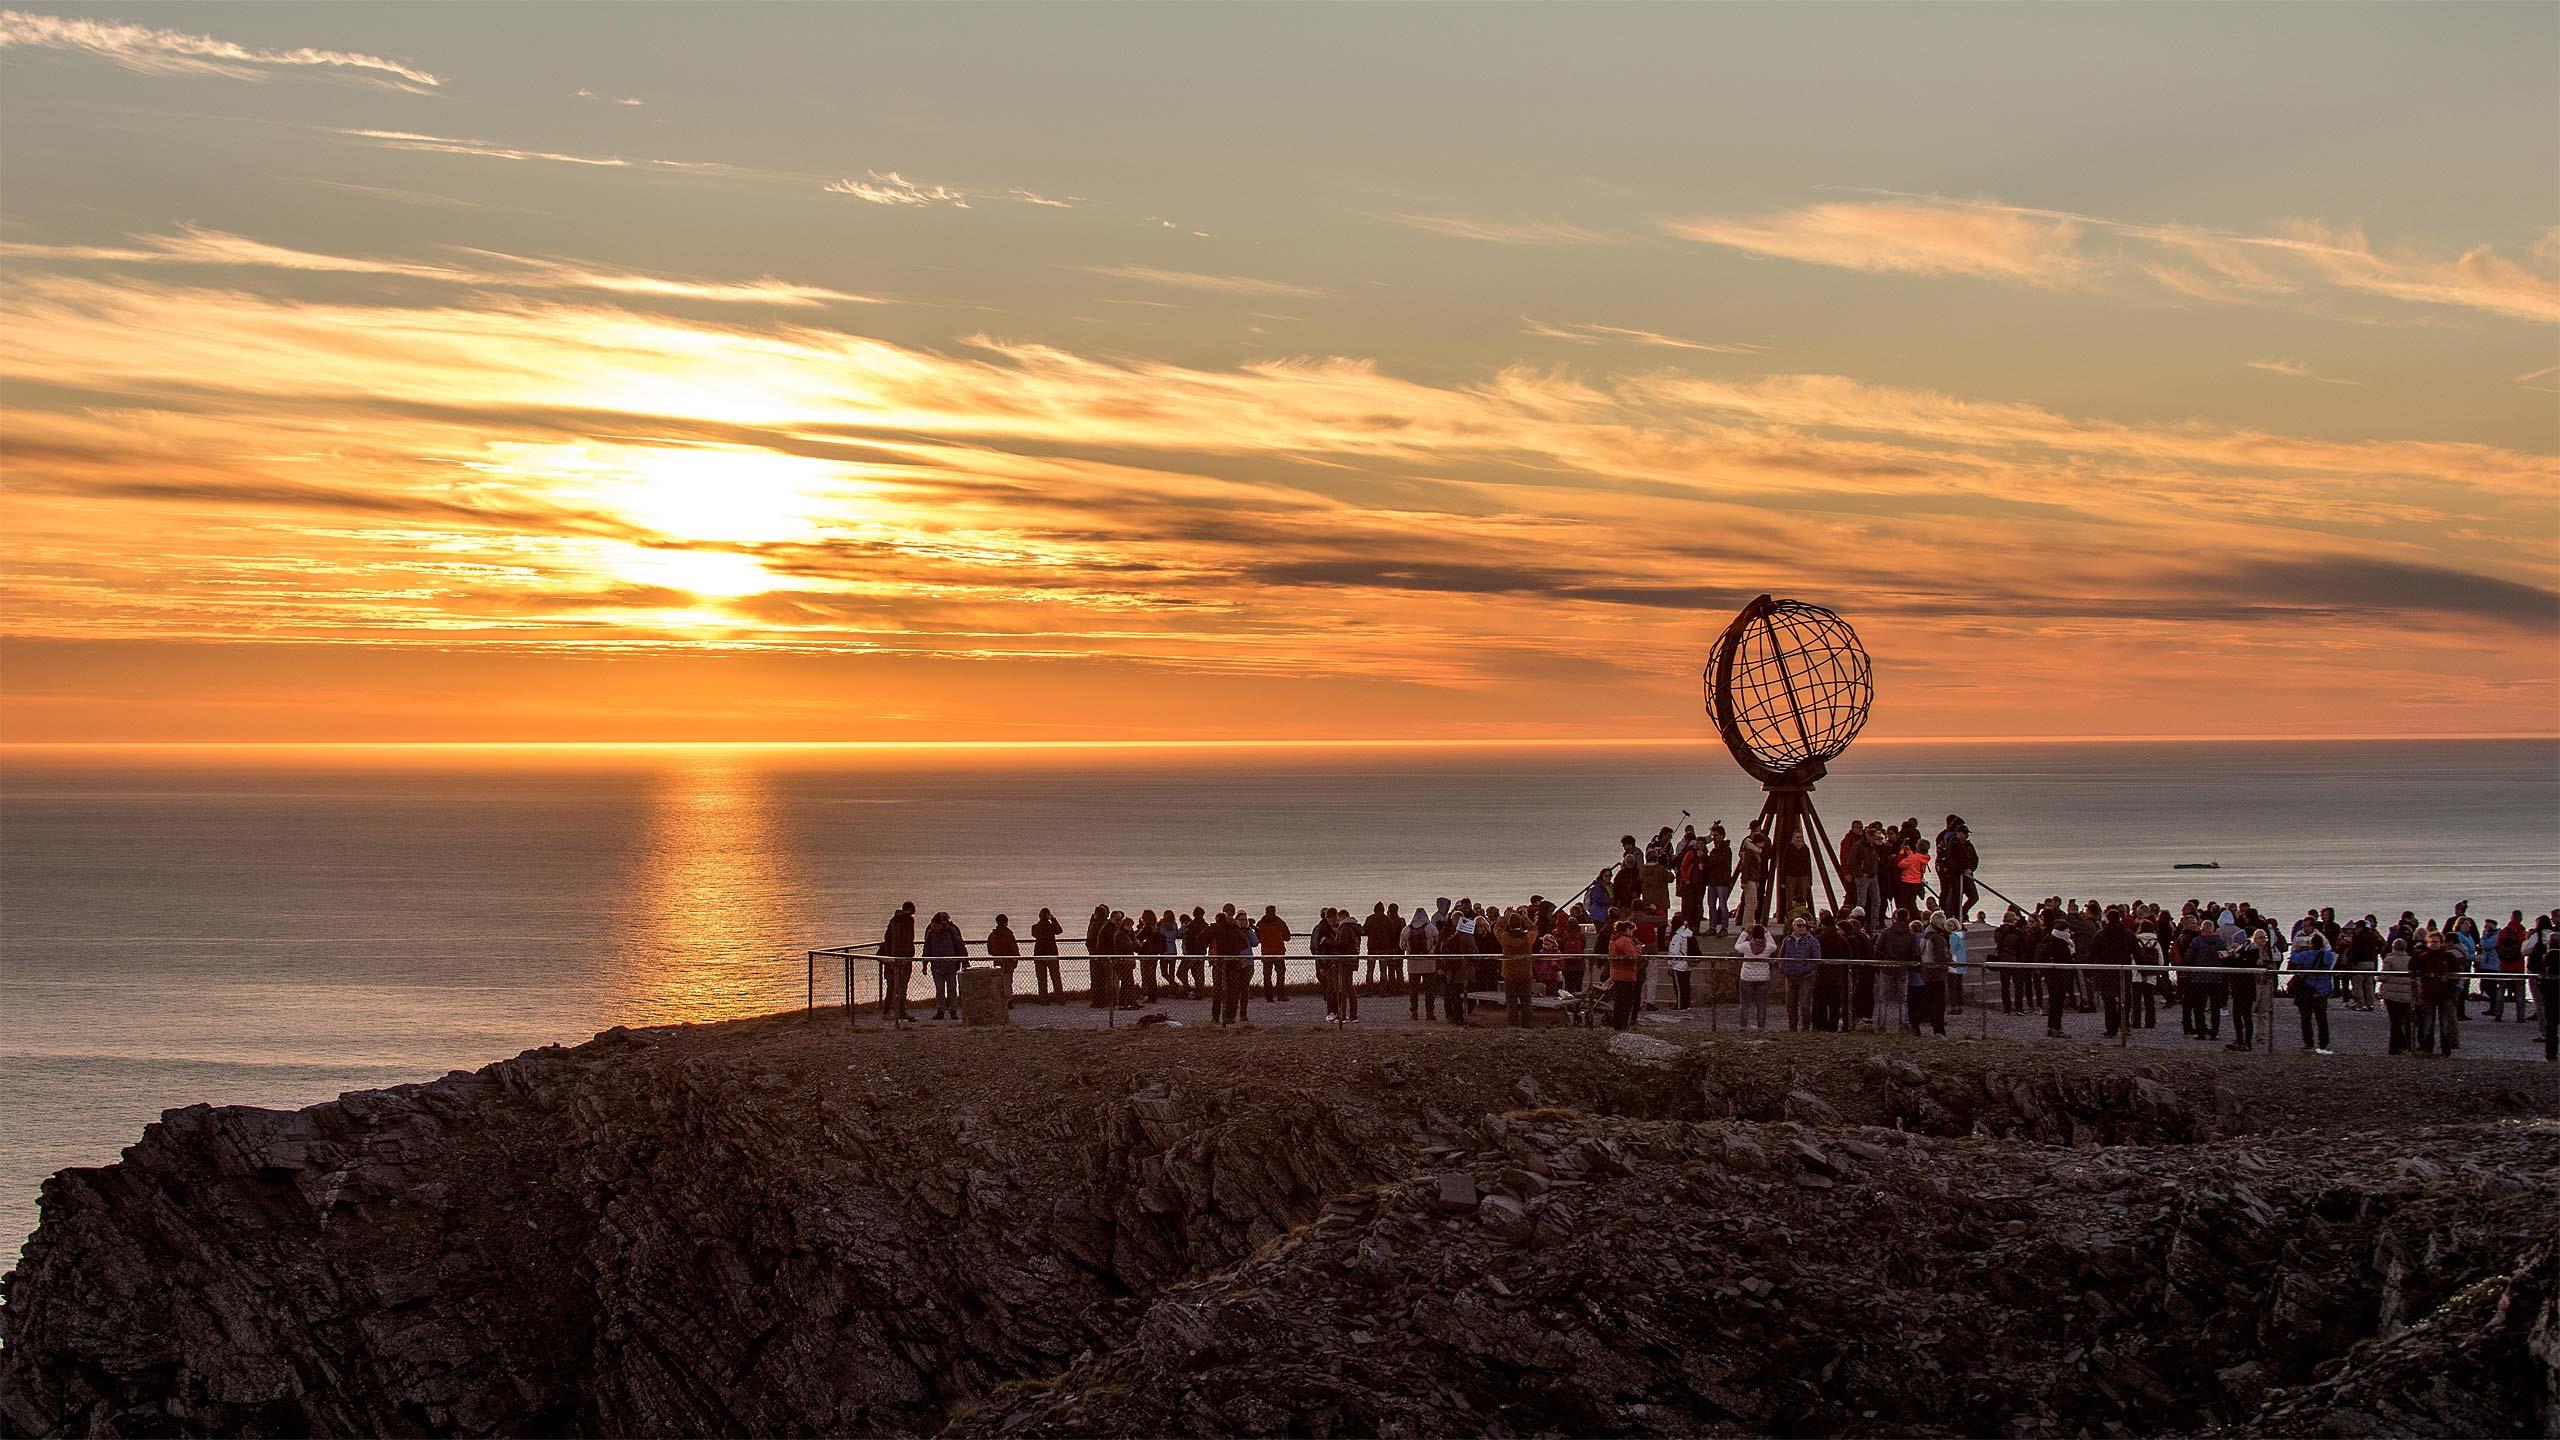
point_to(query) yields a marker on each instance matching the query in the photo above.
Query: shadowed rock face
(787, 1227)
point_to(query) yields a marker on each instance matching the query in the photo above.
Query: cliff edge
(790, 1226)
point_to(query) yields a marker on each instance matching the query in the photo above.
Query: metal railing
(1722, 967)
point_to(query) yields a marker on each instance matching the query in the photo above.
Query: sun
(698, 511)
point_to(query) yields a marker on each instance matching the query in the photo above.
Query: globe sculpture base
(1790, 820)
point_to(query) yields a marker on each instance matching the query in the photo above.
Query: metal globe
(1789, 687)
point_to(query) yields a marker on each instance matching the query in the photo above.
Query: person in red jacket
(1624, 956)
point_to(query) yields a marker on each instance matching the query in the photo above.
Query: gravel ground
(2351, 1032)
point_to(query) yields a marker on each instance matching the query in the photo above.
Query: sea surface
(274, 927)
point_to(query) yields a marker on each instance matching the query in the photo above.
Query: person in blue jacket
(2307, 980)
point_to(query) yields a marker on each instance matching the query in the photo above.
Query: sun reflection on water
(715, 897)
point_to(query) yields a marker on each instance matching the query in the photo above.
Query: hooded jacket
(2307, 969)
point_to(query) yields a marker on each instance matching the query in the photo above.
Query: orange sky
(466, 374)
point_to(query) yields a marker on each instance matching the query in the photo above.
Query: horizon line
(1453, 743)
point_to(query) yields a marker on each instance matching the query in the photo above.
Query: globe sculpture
(1789, 687)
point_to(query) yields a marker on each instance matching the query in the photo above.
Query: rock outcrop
(788, 1226)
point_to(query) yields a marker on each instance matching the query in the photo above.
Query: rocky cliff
(790, 1227)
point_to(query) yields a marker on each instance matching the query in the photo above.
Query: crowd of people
(1895, 955)
(2211, 959)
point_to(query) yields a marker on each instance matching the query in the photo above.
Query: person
(1004, 951)
(1195, 953)
(1045, 978)
(2200, 983)
(1550, 970)
(2542, 960)
(1876, 873)
(1795, 876)
(1959, 947)
(1658, 878)
(1519, 969)
(1691, 868)
(1957, 860)
(2307, 980)
(2503, 951)
(1911, 863)
(1623, 998)
(2434, 972)
(1799, 954)
(1169, 946)
(2399, 997)
(2361, 954)
(1147, 939)
(1897, 955)
(1830, 977)
(944, 953)
(1684, 946)
(2006, 951)
(1751, 872)
(1929, 979)
(1381, 931)
(1099, 970)
(2151, 931)
(1274, 933)
(1457, 945)
(1421, 968)
(1754, 951)
(2242, 986)
(1856, 860)
(1230, 968)
(897, 963)
(1571, 957)
(2055, 949)
(1719, 881)
(1857, 942)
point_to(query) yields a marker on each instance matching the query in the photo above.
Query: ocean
(275, 926)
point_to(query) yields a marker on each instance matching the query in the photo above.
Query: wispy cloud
(1588, 334)
(1917, 238)
(1028, 197)
(178, 52)
(1500, 232)
(888, 187)
(1195, 280)
(584, 94)
(394, 194)
(497, 269)
(2298, 370)
(1931, 235)
(449, 145)
(2307, 252)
